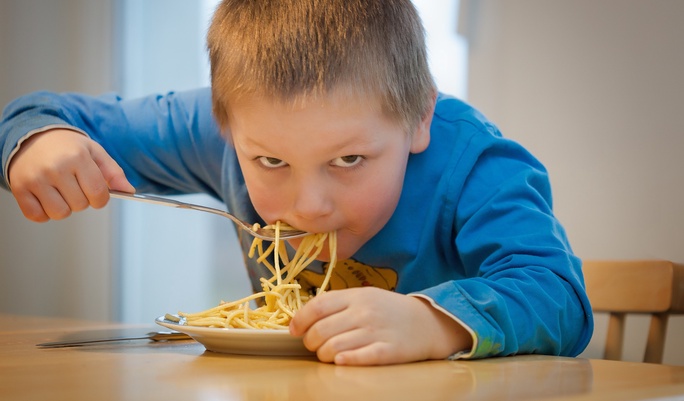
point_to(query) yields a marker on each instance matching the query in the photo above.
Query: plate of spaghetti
(265, 342)
(235, 327)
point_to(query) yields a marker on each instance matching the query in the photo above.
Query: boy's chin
(324, 256)
(342, 254)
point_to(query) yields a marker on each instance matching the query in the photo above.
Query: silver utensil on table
(267, 234)
(106, 336)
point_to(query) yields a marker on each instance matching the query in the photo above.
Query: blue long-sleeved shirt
(473, 232)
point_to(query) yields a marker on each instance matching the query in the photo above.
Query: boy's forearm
(129, 131)
(449, 336)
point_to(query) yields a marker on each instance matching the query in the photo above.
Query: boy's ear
(421, 137)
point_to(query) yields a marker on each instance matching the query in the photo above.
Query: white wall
(595, 89)
(57, 268)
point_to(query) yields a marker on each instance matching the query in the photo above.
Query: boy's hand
(370, 326)
(61, 171)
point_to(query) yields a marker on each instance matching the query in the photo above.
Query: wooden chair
(654, 287)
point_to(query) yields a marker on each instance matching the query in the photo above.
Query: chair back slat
(621, 287)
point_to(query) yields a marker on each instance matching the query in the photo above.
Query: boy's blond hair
(291, 50)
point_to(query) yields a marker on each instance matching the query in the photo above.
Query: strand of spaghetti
(255, 244)
(298, 298)
(305, 262)
(273, 287)
(228, 316)
(223, 306)
(284, 308)
(264, 254)
(242, 324)
(300, 260)
(276, 243)
(316, 247)
(297, 260)
(304, 247)
(245, 315)
(332, 248)
(284, 257)
(292, 301)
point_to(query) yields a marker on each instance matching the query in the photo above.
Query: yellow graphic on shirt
(349, 273)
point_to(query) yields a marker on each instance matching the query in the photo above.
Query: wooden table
(183, 370)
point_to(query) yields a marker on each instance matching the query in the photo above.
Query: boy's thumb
(111, 171)
(120, 183)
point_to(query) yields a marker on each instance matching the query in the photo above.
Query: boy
(325, 117)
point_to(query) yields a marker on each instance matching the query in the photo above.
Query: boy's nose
(312, 202)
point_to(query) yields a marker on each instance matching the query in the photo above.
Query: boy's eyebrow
(358, 144)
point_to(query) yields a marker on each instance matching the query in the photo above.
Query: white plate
(242, 341)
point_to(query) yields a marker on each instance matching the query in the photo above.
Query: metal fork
(267, 234)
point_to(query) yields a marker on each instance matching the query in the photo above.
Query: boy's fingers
(71, 192)
(92, 187)
(31, 207)
(113, 175)
(317, 309)
(52, 202)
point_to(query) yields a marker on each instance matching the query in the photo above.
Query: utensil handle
(172, 203)
(146, 198)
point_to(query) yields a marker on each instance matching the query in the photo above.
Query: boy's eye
(347, 161)
(271, 162)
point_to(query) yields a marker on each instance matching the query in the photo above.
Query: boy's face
(328, 164)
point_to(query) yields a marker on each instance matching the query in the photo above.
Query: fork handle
(146, 198)
(172, 203)
(263, 233)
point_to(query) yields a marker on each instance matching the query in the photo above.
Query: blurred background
(594, 88)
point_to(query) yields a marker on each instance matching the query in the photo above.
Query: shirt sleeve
(167, 144)
(524, 291)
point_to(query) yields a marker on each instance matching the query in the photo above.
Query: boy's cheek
(267, 210)
(267, 197)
